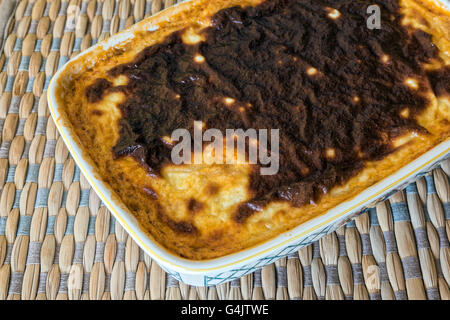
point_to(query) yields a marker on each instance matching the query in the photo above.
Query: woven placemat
(58, 241)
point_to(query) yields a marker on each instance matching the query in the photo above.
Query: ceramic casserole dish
(100, 99)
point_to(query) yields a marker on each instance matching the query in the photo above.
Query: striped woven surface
(58, 241)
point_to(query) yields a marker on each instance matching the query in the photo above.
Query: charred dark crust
(194, 206)
(261, 57)
(182, 227)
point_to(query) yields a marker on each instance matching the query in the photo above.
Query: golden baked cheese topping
(351, 104)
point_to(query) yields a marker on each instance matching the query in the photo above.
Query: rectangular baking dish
(220, 270)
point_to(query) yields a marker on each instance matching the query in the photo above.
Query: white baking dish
(216, 271)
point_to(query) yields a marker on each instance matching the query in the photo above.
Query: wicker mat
(57, 240)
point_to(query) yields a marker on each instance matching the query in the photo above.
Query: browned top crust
(353, 105)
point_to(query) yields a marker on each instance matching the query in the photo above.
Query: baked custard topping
(340, 92)
(352, 104)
